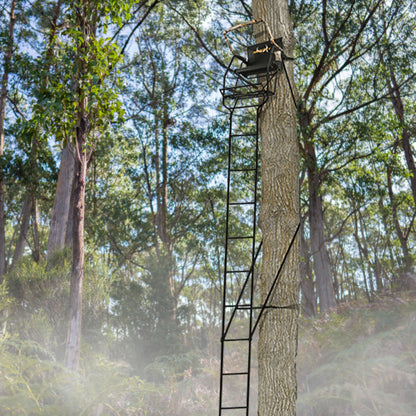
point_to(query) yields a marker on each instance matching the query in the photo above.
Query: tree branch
(365, 104)
(151, 7)
(247, 9)
(198, 36)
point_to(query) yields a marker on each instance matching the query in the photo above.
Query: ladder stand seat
(262, 58)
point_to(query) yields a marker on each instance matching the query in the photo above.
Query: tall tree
(279, 218)
(94, 58)
(164, 83)
(333, 87)
(79, 93)
(30, 126)
(393, 57)
(3, 96)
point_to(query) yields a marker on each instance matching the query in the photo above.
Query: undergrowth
(359, 361)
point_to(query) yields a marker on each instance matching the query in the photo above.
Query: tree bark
(398, 105)
(279, 218)
(307, 284)
(24, 228)
(320, 255)
(36, 241)
(3, 95)
(363, 252)
(407, 258)
(61, 207)
(73, 342)
(70, 224)
(29, 204)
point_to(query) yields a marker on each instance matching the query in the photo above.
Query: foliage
(360, 361)
(34, 383)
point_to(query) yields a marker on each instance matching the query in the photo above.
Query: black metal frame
(245, 93)
(243, 88)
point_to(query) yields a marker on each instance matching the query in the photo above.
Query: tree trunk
(396, 99)
(365, 244)
(73, 342)
(70, 224)
(3, 95)
(408, 153)
(61, 206)
(363, 252)
(165, 234)
(321, 266)
(306, 280)
(279, 219)
(28, 205)
(378, 273)
(36, 241)
(163, 224)
(24, 228)
(407, 258)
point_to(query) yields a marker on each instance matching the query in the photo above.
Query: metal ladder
(240, 315)
(246, 89)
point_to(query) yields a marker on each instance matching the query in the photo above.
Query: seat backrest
(260, 54)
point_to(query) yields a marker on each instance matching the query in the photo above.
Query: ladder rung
(236, 87)
(245, 373)
(243, 134)
(238, 271)
(242, 203)
(243, 305)
(247, 307)
(240, 238)
(232, 93)
(233, 407)
(246, 106)
(243, 170)
(236, 339)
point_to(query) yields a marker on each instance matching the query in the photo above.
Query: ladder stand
(245, 91)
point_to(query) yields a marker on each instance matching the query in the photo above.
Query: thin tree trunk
(408, 153)
(70, 223)
(408, 262)
(344, 275)
(279, 219)
(363, 251)
(61, 207)
(36, 241)
(306, 279)
(378, 273)
(28, 204)
(396, 99)
(321, 265)
(366, 251)
(150, 200)
(73, 342)
(165, 235)
(3, 95)
(24, 228)
(387, 230)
